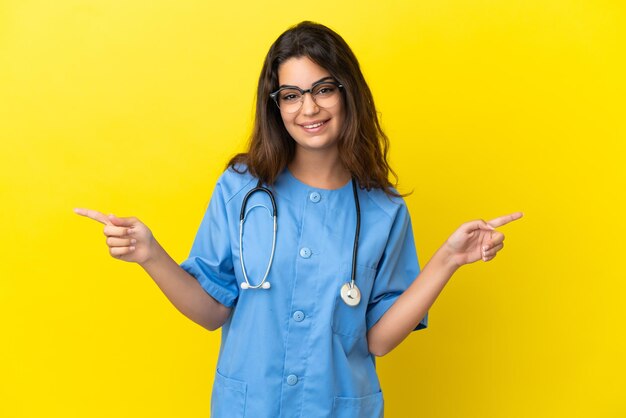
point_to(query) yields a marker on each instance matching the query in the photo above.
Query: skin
(317, 164)
(130, 240)
(471, 242)
(316, 160)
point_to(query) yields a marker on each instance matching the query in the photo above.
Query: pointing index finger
(503, 220)
(93, 214)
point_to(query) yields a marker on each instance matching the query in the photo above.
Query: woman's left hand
(478, 240)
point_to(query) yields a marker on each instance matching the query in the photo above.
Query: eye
(289, 96)
(325, 89)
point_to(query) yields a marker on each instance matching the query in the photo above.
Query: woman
(305, 308)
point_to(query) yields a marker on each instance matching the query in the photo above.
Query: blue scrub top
(296, 349)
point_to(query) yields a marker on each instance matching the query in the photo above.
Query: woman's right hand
(128, 238)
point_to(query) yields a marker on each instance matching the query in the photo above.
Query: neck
(319, 170)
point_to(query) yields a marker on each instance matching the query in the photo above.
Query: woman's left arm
(473, 241)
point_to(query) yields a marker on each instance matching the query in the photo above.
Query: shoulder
(233, 181)
(390, 206)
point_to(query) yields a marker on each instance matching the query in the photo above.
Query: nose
(309, 107)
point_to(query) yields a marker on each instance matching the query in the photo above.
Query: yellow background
(133, 107)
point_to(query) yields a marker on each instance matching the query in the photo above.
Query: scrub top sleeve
(397, 269)
(210, 260)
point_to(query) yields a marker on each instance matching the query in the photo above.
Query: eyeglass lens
(323, 94)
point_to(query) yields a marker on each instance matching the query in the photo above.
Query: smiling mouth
(314, 125)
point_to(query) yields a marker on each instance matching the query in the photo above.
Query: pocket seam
(232, 384)
(357, 403)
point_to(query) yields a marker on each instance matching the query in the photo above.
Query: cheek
(288, 123)
(287, 119)
(340, 117)
(341, 111)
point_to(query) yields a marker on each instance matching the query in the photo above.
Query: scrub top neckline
(294, 179)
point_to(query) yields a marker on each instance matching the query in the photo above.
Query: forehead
(301, 72)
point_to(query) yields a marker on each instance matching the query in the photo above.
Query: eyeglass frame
(326, 80)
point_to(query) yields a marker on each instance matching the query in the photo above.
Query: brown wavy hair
(362, 143)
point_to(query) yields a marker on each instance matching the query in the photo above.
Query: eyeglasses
(325, 93)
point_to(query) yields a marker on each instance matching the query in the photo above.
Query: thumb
(474, 225)
(127, 222)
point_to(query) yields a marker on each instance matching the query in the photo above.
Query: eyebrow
(328, 77)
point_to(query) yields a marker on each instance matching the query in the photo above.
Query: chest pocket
(349, 321)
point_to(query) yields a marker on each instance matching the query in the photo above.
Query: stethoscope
(349, 292)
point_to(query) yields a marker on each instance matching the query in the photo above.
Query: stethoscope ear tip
(245, 286)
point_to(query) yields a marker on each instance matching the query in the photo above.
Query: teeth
(315, 125)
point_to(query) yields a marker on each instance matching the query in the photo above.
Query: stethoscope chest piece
(350, 294)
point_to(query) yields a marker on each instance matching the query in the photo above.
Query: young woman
(307, 299)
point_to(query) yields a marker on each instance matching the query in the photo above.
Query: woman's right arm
(131, 240)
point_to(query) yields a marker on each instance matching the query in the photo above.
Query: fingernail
(132, 248)
(485, 248)
(133, 241)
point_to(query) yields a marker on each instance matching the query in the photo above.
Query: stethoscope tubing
(355, 248)
(259, 188)
(264, 284)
